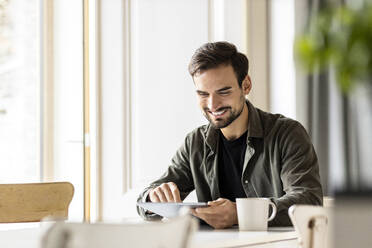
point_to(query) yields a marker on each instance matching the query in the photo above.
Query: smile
(218, 113)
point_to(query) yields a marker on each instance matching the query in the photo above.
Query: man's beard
(222, 123)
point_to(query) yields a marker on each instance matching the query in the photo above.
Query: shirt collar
(254, 122)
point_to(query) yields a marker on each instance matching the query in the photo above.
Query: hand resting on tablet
(166, 192)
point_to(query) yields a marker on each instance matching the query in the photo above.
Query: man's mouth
(218, 113)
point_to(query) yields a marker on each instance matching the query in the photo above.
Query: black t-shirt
(230, 166)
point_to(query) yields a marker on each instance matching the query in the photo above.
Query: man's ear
(246, 85)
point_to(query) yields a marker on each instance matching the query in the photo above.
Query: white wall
(165, 33)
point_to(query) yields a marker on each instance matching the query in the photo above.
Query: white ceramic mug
(253, 213)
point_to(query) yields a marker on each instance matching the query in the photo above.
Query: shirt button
(246, 181)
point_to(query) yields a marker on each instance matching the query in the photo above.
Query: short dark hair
(212, 55)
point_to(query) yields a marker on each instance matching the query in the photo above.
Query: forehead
(213, 79)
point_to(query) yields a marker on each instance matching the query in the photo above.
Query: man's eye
(224, 93)
(202, 94)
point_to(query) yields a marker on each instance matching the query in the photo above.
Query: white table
(25, 235)
(274, 237)
(30, 235)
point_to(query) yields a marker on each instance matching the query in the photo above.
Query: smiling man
(242, 152)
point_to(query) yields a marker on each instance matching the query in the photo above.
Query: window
(19, 91)
(41, 94)
(283, 86)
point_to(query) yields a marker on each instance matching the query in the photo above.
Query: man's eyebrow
(224, 89)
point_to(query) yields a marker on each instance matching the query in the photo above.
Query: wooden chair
(174, 233)
(34, 201)
(312, 225)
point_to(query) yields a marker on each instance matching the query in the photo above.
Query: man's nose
(213, 103)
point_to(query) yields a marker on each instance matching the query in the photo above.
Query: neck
(238, 126)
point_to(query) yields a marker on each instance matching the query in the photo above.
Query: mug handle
(274, 211)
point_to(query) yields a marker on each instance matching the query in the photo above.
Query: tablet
(169, 209)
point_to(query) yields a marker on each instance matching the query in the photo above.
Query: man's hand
(221, 213)
(166, 192)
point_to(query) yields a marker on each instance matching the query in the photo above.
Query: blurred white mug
(253, 213)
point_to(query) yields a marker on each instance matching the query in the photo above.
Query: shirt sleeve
(299, 173)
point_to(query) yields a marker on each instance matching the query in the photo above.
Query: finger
(196, 214)
(217, 202)
(193, 212)
(210, 219)
(153, 196)
(206, 211)
(175, 192)
(221, 200)
(159, 192)
(167, 192)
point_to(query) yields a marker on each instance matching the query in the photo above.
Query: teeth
(218, 113)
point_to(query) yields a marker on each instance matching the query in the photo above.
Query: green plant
(340, 37)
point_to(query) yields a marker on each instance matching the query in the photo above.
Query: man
(242, 152)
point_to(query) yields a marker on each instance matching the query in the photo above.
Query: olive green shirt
(280, 163)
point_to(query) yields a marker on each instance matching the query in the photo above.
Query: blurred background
(98, 93)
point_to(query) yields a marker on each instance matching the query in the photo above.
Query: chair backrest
(174, 233)
(32, 202)
(312, 225)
